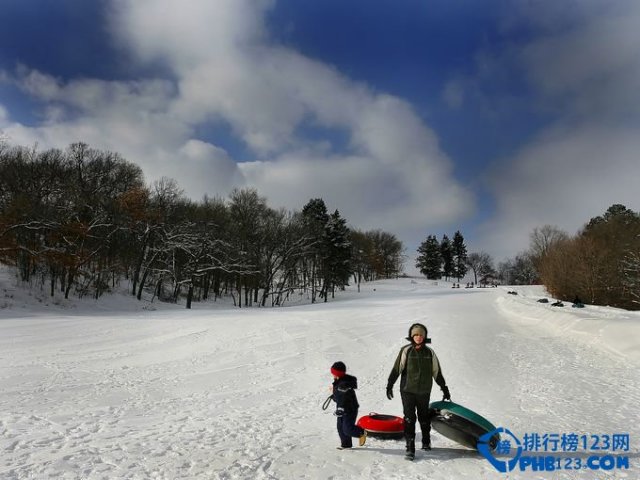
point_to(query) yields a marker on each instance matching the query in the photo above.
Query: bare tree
(542, 240)
(481, 264)
(518, 270)
(597, 264)
(84, 219)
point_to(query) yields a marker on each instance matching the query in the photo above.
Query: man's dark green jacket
(416, 367)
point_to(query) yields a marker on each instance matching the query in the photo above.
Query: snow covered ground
(122, 389)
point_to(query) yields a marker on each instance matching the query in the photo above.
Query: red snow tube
(382, 426)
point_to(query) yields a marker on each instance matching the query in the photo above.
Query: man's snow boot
(426, 441)
(411, 449)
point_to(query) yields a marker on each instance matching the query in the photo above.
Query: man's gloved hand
(445, 393)
(389, 392)
(339, 412)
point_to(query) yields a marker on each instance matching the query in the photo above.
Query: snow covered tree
(61, 215)
(247, 211)
(283, 253)
(150, 216)
(83, 220)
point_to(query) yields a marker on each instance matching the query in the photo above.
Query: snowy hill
(120, 389)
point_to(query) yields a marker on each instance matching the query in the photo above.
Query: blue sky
(415, 117)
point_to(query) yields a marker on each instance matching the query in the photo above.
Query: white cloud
(225, 71)
(186, 35)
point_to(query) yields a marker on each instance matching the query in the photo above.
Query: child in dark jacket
(344, 395)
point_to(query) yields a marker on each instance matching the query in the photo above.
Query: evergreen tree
(615, 213)
(429, 260)
(459, 250)
(447, 257)
(338, 254)
(315, 218)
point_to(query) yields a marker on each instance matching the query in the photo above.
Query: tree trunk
(142, 282)
(207, 286)
(136, 273)
(190, 295)
(265, 294)
(69, 284)
(53, 280)
(144, 277)
(313, 282)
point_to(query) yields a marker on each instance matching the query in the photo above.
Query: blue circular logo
(488, 442)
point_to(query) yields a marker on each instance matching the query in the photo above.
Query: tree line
(449, 259)
(599, 265)
(82, 221)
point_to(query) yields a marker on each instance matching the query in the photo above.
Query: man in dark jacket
(344, 395)
(416, 365)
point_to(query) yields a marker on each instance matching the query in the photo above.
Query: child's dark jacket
(344, 393)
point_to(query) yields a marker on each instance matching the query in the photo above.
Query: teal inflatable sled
(461, 425)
